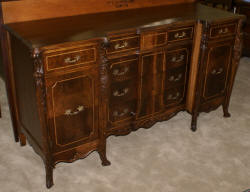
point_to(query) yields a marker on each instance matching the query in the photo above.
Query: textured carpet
(166, 158)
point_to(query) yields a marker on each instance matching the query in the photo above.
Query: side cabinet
(219, 59)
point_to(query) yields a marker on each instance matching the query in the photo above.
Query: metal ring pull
(124, 44)
(180, 35)
(178, 78)
(175, 59)
(223, 31)
(215, 72)
(172, 97)
(72, 60)
(70, 112)
(117, 114)
(117, 72)
(119, 93)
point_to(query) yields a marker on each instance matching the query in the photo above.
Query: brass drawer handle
(175, 79)
(117, 72)
(70, 112)
(215, 72)
(119, 93)
(123, 113)
(72, 60)
(177, 60)
(174, 97)
(223, 30)
(123, 45)
(180, 35)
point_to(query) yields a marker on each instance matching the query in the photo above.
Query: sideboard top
(40, 33)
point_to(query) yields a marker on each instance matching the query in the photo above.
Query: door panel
(73, 109)
(217, 67)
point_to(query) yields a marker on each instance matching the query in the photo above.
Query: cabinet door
(73, 108)
(219, 58)
(151, 83)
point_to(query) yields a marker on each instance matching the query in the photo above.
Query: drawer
(121, 112)
(66, 58)
(150, 40)
(177, 57)
(123, 43)
(223, 30)
(174, 95)
(123, 91)
(180, 34)
(123, 69)
(176, 76)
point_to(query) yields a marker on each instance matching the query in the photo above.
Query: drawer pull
(215, 72)
(223, 31)
(172, 97)
(123, 92)
(177, 60)
(123, 45)
(173, 79)
(70, 112)
(180, 35)
(117, 72)
(117, 114)
(72, 60)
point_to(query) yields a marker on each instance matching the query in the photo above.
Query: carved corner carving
(120, 3)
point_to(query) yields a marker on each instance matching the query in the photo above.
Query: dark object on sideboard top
(243, 7)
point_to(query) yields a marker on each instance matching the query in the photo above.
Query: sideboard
(82, 78)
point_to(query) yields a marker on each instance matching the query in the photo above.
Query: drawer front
(180, 34)
(223, 30)
(176, 76)
(123, 91)
(70, 58)
(177, 57)
(150, 40)
(174, 96)
(121, 44)
(123, 69)
(122, 112)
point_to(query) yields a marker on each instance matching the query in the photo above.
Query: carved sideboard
(80, 79)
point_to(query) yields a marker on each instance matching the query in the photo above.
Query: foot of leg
(103, 157)
(194, 122)
(225, 111)
(49, 176)
(22, 139)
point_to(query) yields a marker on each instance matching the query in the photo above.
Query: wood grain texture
(28, 10)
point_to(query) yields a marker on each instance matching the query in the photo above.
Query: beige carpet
(166, 158)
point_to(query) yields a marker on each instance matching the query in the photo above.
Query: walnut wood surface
(53, 31)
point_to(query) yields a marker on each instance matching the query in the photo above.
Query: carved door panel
(151, 83)
(73, 109)
(219, 58)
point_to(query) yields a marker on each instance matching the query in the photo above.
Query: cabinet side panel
(25, 91)
(194, 68)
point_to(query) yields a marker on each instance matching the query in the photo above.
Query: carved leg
(49, 175)
(22, 139)
(225, 110)
(103, 157)
(194, 122)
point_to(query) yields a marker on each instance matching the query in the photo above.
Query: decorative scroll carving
(120, 3)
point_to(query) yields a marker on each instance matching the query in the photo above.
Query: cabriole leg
(49, 175)
(225, 110)
(103, 157)
(194, 122)
(22, 139)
